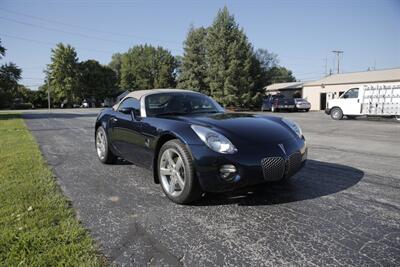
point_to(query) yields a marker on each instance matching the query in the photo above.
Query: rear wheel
(176, 173)
(336, 113)
(104, 153)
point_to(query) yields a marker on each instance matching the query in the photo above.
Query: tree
(194, 66)
(2, 51)
(115, 65)
(96, 81)
(279, 75)
(63, 74)
(267, 59)
(10, 74)
(145, 67)
(39, 97)
(233, 71)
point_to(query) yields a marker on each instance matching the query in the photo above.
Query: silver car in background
(302, 104)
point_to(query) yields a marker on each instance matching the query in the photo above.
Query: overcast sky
(302, 33)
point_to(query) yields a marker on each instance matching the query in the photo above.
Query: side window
(352, 93)
(130, 103)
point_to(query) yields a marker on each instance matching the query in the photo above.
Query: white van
(367, 100)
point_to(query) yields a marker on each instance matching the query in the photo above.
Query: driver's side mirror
(126, 110)
(345, 96)
(135, 113)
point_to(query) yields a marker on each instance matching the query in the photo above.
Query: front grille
(273, 168)
(293, 164)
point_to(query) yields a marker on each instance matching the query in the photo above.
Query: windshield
(180, 103)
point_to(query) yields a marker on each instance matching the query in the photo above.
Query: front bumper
(328, 111)
(303, 106)
(254, 164)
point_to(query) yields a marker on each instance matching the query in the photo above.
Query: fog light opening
(228, 172)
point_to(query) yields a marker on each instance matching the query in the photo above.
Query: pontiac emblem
(282, 147)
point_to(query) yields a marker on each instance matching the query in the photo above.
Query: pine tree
(233, 70)
(194, 68)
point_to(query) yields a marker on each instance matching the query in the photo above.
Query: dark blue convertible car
(193, 146)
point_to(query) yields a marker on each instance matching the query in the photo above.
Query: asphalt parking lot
(342, 209)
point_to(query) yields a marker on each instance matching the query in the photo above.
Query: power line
(53, 44)
(84, 27)
(68, 32)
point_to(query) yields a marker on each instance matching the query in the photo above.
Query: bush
(22, 106)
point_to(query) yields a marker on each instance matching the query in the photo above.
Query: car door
(127, 135)
(351, 103)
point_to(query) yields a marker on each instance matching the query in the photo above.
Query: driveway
(342, 209)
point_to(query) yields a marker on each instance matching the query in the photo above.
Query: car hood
(244, 128)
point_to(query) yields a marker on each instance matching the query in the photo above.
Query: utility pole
(326, 66)
(338, 52)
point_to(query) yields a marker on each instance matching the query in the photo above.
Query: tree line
(218, 60)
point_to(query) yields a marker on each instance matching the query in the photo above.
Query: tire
(174, 175)
(104, 153)
(306, 110)
(336, 113)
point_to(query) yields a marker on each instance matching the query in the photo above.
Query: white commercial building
(318, 92)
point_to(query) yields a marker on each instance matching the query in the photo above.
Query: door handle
(114, 119)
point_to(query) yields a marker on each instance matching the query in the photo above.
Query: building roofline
(374, 81)
(333, 79)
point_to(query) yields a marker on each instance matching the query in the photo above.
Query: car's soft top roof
(139, 93)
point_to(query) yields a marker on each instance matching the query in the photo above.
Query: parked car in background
(85, 104)
(374, 100)
(278, 102)
(302, 104)
(193, 146)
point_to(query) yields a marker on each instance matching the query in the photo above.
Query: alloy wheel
(101, 144)
(172, 172)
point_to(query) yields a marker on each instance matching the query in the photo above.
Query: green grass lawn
(38, 227)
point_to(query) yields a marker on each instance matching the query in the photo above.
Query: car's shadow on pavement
(315, 180)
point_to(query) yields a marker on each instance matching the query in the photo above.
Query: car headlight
(214, 140)
(294, 126)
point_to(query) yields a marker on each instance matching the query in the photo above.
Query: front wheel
(104, 153)
(336, 113)
(176, 173)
